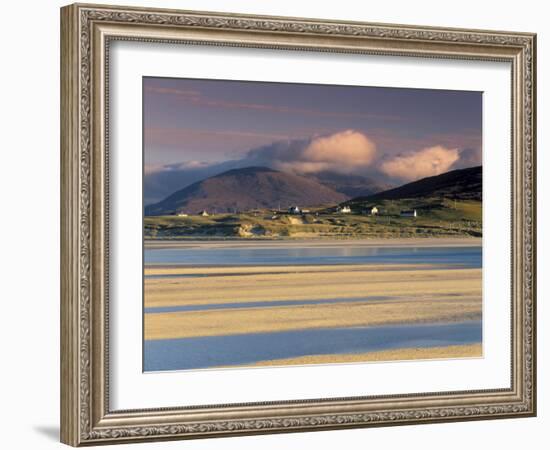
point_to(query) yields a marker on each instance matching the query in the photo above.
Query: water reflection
(212, 351)
(208, 256)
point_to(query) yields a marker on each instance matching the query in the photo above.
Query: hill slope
(245, 189)
(461, 184)
(348, 184)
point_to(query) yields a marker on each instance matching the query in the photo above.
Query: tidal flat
(400, 354)
(360, 285)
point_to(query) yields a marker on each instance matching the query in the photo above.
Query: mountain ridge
(252, 187)
(349, 184)
(459, 184)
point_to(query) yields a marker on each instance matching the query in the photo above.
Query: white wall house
(343, 209)
(408, 213)
(294, 210)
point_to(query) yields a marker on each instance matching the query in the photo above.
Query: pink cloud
(423, 163)
(347, 148)
(398, 142)
(344, 151)
(172, 91)
(197, 98)
(175, 136)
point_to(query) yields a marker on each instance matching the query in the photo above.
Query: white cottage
(343, 209)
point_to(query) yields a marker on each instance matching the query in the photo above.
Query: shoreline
(171, 270)
(270, 243)
(394, 355)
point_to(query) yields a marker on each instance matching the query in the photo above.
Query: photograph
(292, 224)
(287, 223)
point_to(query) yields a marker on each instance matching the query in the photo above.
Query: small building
(181, 214)
(408, 213)
(343, 209)
(294, 210)
(204, 213)
(373, 211)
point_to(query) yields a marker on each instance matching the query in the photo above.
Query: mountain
(461, 184)
(245, 189)
(349, 185)
(159, 184)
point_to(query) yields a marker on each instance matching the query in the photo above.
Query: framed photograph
(276, 225)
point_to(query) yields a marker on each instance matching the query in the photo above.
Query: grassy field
(436, 218)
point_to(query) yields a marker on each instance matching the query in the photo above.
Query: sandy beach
(309, 282)
(256, 320)
(451, 351)
(412, 295)
(190, 301)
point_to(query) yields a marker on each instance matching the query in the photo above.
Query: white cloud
(345, 151)
(346, 147)
(424, 163)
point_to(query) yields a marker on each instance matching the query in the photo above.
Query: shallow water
(234, 256)
(212, 351)
(260, 304)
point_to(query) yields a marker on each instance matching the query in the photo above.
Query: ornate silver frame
(86, 31)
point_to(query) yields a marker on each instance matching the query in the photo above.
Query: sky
(197, 128)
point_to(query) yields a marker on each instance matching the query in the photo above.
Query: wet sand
(411, 295)
(261, 320)
(253, 284)
(348, 295)
(401, 354)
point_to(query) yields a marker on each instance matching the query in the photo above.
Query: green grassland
(436, 218)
